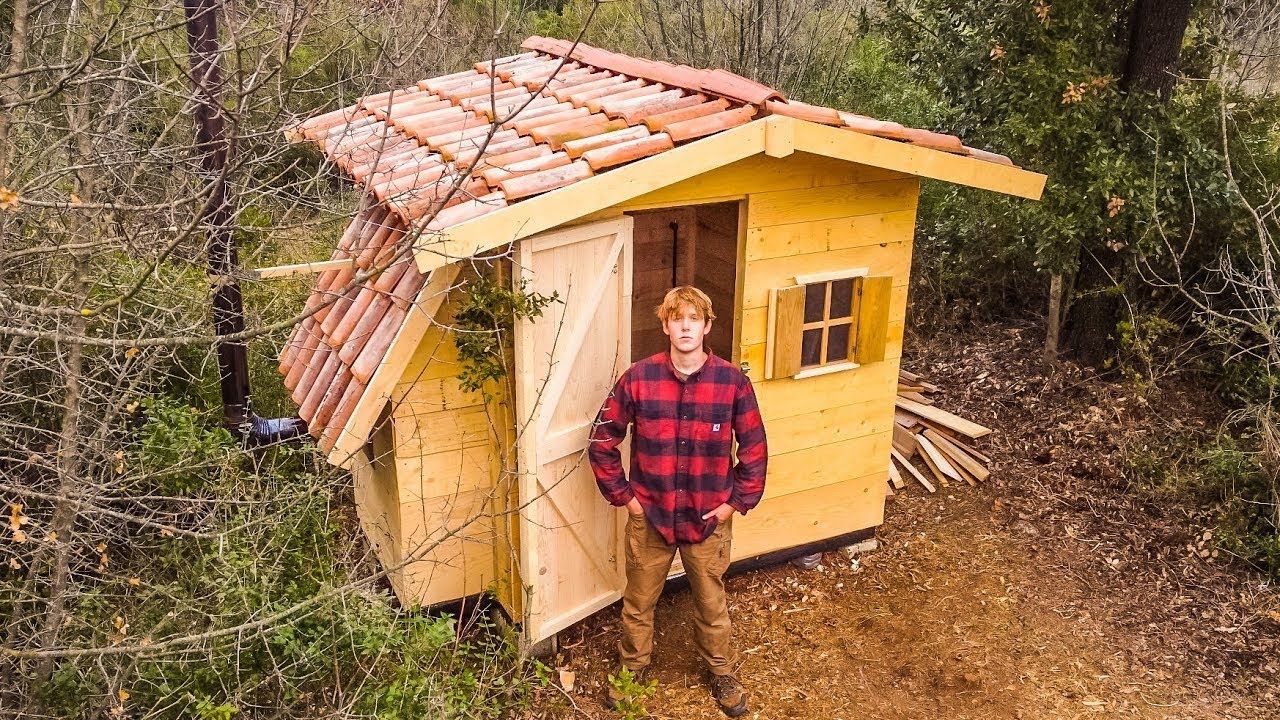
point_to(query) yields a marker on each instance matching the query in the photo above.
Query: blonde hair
(678, 297)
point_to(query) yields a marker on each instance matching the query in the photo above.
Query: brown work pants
(649, 560)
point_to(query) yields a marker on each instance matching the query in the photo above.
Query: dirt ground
(1051, 591)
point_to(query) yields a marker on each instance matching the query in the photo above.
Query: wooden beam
(916, 160)
(962, 460)
(911, 470)
(936, 459)
(307, 268)
(967, 428)
(779, 136)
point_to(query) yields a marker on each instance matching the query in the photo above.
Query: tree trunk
(1156, 30)
(1155, 40)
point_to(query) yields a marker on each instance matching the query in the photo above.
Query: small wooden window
(828, 322)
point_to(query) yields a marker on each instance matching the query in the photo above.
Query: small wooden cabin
(606, 179)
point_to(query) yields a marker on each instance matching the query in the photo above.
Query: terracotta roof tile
(606, 157)
(805, 111)
(545, 181)
(575, 148)
(581, 96)
(936, 141)
(495, 175)
(507, 106)
(566, 112)
(620, 107)
(599, 103)
(634, 115)
(661, 120)
(474, 103)
(502, 158)
(450, 151)
(525, 125)
(565, 93)
(557, 134)
(496, 153)
(988, 156)
(707, 124)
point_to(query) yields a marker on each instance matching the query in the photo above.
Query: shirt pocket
(713, 425)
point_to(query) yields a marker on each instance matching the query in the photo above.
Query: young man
(687, 406)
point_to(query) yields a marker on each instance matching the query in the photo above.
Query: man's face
(686, 328)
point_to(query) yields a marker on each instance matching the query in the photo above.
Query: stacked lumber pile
(940, 442)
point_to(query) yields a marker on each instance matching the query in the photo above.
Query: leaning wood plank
(906, 419)
(909, 388)
(911, 469)
(895, 477)
(967, 463)
(904, 440)
(310, 268)
(938, 458)
(954, 437)
(969, 450)
(967, 477)
(955, 422)
(908, 375)
(917, 397)
(942, 478)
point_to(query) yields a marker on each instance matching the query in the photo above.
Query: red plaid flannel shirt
(680, 461)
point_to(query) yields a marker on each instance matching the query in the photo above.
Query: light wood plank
(912, 471)
(938, 459)
(802, 470)
(874, 297)
(804, 517)
(782, 207)
(788, 325)
(962, 460)
(917, 160)
(965, 427)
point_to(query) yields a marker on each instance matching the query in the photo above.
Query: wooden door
(571, 560)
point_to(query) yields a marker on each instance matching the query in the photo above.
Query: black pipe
(228, 309)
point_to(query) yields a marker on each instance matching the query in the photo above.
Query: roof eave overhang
(775, 135)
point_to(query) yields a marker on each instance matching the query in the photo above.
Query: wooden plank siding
(450, 451)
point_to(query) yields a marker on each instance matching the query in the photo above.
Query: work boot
(616, 696)
(729, 694)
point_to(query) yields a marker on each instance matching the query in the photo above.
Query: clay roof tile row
(458, 146)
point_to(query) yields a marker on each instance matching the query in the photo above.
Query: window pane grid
(825, 339)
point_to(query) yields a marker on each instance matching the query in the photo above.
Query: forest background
(152, 566)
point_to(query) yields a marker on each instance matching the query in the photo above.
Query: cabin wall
(378, 497)
(449, 450)
(829, 436)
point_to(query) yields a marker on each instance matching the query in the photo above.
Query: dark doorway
(695, 245)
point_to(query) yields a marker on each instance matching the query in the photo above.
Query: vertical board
(874, 295)
(788, 317)
(567, 362)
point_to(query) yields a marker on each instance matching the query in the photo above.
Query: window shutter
(788, 327)
(873, 318)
